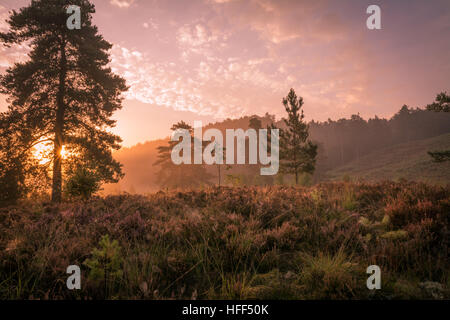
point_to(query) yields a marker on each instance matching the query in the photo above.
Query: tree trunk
(219, 174)
(59, 129)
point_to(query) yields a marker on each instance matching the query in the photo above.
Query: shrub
(105, 264)
(82, 184)
(328, 276)
(348, 200)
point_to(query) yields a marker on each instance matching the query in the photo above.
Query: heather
(272, 242)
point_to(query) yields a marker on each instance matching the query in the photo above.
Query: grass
(408, 161)
(233, 243)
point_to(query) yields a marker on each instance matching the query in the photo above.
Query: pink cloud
(122, 3)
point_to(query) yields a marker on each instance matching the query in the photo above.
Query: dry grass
(253, 242)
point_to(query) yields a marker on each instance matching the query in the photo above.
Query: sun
(43, 151)
(64, 152)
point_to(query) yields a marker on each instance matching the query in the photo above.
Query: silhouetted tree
(255, 123)
(219, 166)
(171, 175)
(82, 184)
(65, 91)
(297, 153)
(441, 104)
(17, 165)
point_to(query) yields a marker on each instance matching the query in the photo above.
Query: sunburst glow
(43, 152)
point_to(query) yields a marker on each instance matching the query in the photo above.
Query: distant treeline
(340, 141)
(344, 140)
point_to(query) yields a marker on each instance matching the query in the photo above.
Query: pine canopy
(65, 92)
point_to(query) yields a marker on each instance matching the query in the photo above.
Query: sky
(210, 60)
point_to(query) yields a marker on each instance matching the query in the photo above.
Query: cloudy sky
(214, 59)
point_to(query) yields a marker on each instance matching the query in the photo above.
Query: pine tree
(441, 103)
(297, 153)
(65, 92)
(171, 175)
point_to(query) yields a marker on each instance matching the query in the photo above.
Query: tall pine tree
(65, 92)
(297, 153)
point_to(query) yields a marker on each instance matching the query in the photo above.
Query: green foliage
(395, 235)
(235, 287)
(348, 199)
(328, 276)
(106, 263)
(82, 184)
(297, 153)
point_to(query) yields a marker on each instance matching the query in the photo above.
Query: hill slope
(407, 160)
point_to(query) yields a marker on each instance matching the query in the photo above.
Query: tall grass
(225, 243)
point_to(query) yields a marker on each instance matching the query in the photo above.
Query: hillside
(406, 160)
(138, 168)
